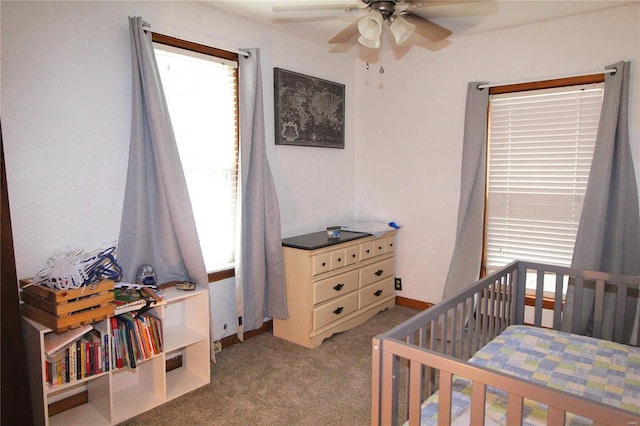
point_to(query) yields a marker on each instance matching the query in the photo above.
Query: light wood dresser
(334, 284)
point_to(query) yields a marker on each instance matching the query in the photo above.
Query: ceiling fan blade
(347, 34)
(426, 28)
(317, 6)
(414, 4)
(448, 8)
(301, 19)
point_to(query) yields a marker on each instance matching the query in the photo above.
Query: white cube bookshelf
(120, 394)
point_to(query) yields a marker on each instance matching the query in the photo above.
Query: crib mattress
(597, 369)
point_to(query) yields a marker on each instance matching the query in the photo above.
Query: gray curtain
(260, 285)
(157, 225)
(467, 255)
(608, 236)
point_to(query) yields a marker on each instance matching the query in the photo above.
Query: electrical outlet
(398, 284)
(217, 347)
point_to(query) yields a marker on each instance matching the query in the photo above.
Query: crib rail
(419, 357)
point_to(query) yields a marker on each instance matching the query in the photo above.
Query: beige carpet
(269, 381)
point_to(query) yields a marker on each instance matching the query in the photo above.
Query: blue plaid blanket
(592, 368)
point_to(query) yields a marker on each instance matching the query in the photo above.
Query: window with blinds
(201, 93)
(541, 145)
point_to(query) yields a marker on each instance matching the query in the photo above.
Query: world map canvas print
(309, 111)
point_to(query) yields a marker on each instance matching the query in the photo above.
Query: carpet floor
(269, 381)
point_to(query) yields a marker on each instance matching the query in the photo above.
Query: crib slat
(464, 317)
(514, 410)
(577, 305)
(503, 303)
(477, 403)
(507, 313)
(598, 309)
(389, 389)
(621, 304)
(485, 316)
(415, 395)
(537, 318)
(444, 398)
(408, 377)
(555, 416)
(557, 302)
(478, 314)
(443, 333)
(453, 335)
(470, 326)
(492, 310)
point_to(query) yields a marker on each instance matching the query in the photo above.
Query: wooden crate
(61, 310)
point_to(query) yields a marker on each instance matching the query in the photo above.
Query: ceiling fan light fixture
(401, 29)
(373, 44)
(370, 26)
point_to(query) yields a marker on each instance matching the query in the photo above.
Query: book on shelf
(135, 338)
(131, 298)
(126, 299)
(81, 358)
(55, 343)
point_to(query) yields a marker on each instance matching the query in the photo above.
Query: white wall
(410, 123)
(66, 86)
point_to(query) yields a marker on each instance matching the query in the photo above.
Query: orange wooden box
(61, 310)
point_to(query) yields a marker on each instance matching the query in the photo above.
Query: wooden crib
(452, 364)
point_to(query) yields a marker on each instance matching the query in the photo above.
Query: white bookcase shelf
(120, 394)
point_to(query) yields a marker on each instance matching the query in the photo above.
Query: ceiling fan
(399, 15)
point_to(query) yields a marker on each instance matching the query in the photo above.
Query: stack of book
(135, 338)
(76, 354)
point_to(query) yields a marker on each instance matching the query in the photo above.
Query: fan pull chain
(381, 70)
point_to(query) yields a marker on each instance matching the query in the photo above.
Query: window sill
(547, 302)
(221, 275)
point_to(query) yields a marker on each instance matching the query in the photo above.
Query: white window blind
(201, 95)
(541, 146)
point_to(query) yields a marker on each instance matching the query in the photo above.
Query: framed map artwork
(309, 111)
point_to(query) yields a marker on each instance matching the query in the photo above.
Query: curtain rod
(147, 27)
(489, 85)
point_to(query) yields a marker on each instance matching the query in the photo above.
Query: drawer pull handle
(368, 251)
(353, 255)
(338, 310)
(339, 259)
(324, 264)
(379, 247)
(379, 272)
(338, 286)
(378, 293)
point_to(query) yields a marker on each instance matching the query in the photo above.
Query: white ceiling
(462, 17)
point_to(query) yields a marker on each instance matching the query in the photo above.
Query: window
(540, 150)
(201, 86)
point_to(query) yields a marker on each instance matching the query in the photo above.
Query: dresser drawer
(321, 263)
(330, 261)
(389, 244)
(376, 272)
(334, 286)
(337, 259)
(334, 310)
(366, 250)
(378, 247)
(375, 292)
(351, 255)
